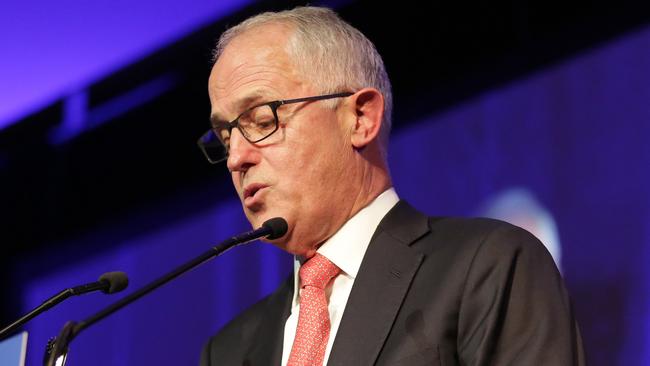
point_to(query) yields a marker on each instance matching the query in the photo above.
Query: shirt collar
(348, 245)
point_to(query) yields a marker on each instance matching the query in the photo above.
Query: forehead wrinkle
(252, 65)
(262, 73)
(264, 87)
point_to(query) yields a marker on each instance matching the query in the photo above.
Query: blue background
(572, 133)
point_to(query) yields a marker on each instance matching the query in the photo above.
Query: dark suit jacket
(431, 291)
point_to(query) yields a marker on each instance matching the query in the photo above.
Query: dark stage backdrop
(570, 143)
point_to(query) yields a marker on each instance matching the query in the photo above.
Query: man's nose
(241, 154)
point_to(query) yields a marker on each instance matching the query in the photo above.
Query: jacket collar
(384, 278)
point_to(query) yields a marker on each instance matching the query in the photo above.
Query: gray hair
(335, 55)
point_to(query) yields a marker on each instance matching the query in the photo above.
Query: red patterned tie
(313, 321)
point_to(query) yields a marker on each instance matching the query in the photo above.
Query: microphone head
(278, 227)
(116, 281)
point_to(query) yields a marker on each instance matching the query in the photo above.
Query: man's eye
(266, 123)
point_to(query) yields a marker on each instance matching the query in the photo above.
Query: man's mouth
(251, 196)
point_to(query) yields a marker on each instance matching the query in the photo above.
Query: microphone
(274, 228)
(108, 283)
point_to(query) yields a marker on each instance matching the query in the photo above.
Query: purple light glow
(53, 49)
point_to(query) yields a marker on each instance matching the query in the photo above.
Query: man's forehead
(254, 68)
(234, 90)
(256, 87)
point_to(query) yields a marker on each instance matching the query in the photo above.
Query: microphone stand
(59, 346)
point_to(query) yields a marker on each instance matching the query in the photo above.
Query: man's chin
(256, 219)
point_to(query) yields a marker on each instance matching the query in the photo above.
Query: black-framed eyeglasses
(255, 124)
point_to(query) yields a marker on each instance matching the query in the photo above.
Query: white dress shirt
(346, 249)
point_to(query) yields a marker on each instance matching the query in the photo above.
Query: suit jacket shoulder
(456, 291)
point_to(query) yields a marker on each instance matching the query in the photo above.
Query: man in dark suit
(301, 113)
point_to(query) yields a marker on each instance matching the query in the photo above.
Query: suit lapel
(268, 339)
(384, 277)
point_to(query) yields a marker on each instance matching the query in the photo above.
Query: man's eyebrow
(215, 120)
(241, 106)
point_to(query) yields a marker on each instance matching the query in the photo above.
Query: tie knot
(317, 271)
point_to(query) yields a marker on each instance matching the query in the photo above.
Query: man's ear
(369, 111)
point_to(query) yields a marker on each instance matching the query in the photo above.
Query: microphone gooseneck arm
(56, 350)
(271, 229)
(110, 282)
